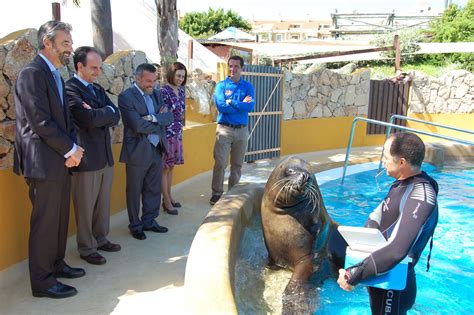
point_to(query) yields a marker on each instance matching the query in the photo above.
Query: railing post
(349, 146)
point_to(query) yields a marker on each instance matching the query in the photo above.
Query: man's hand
(76, 157)
(86, 106)
(69, 162)
(343, 282)
(247, 99)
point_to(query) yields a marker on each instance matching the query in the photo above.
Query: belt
(233, 126)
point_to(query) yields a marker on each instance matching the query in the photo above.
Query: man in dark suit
(144, 118)
(93, 113)
(45, 149)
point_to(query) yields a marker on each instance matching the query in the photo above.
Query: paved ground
(146, 276)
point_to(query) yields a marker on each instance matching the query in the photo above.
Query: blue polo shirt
(229, 96)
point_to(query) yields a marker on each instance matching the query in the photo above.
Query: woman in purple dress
(173, 94)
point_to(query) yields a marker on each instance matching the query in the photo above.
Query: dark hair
(80, 55)
(172, 71)
(144, 67)
(408, 146)
(237, 58)
(49, 30)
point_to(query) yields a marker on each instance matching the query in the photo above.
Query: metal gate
(387, 98)
(265, 120)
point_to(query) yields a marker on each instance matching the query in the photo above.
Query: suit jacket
(92, 125)
(136, 148)
(44, 128)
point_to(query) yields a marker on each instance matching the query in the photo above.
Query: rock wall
(19, 48)
(453, 92)
(325, 93)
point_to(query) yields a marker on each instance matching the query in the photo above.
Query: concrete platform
(146, 276)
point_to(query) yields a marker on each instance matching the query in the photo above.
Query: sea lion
(298, 232)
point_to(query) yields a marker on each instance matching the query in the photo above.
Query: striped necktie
(153, 138)
(59, 84)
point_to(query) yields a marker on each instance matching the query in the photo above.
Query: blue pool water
(446, 289)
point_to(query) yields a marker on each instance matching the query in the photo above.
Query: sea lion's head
(292, 184)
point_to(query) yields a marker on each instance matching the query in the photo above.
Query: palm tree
(167, 29)
(102, 33)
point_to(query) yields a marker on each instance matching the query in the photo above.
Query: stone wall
(325, 93)
(18, 49)
(453, 92)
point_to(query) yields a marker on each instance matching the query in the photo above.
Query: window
(295, 25)
(295, 37)
(279, 37)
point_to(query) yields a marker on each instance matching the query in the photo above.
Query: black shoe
(157, 229)
(110, 247)
(57, 291)
(70, 273)
(170, 211)
(138, 235)
(176, 204)
(94, 259)
(214, 199)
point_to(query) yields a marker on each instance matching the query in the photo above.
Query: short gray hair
(49, 30)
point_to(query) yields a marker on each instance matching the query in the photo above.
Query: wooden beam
(56, 10)
(396, 45)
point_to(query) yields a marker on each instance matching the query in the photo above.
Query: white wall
(133, 21)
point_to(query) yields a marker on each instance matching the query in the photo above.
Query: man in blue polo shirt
(234, 98)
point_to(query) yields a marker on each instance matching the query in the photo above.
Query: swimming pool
(445, 289)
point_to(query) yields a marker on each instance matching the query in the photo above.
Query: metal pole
(381, 123)
(349, 145)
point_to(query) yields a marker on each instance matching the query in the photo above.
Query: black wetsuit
(407, 218)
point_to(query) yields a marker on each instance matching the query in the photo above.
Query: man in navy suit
(45, 150)
(94, 114)
(144, 118)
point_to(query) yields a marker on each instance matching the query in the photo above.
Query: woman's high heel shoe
(169, 211)
(176, 204)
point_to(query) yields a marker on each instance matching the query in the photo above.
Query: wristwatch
(148, 117)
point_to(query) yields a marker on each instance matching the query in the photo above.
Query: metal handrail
(391, 125)
(401, 117)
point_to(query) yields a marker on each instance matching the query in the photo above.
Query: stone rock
(327, 112)
(325, 90)
(299, 109)
(317, 112)
(355, 79)
(287, 111)
(103, 82)
(7, 130)
(324, 78)
(339, 112)
(117, 86)
(321, 99)
(347, 69)
(3, 103)
(3, 116)
(365, 75)
(6, 161)
(313, 92)
(21, 49)
(363, 110)
(335, 80)
(4, 87)
(335, 95)
(361, 100)
(350, 95)
(138, 57)
(461, 91)
(287, 75)
(5, 146)
(296, 82)
(3, 54)
(127, 82)
(11, 106)
(117, 134)
(350, 110)
(113, 98)
(311, 103)
(444, 92)
(127, 65)
(453, 106)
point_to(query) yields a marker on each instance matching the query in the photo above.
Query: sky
(309, 9)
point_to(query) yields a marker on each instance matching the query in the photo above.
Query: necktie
(59, 84)
(153, 138)
(91, 88)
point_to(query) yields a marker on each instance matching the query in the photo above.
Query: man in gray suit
(144, 118)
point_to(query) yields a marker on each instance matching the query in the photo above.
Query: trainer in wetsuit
(407, 218)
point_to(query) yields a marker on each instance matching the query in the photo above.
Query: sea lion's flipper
(298, 298)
